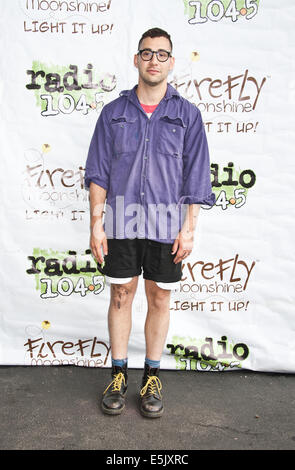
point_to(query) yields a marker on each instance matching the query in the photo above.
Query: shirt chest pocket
(171, 131)
(125, 134)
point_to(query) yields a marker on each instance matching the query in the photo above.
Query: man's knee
(122, 294)
(156, 296)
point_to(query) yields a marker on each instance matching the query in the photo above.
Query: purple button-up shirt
(152, 168)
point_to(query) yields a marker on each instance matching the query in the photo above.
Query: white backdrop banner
(61, 62)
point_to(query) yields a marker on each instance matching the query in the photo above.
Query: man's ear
(172, 62)
(136, 60)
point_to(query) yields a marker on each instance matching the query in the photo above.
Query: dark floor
(58, 408)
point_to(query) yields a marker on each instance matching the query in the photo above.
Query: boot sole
(148, 414)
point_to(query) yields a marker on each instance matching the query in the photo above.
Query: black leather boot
(151, 404)
(113, 399)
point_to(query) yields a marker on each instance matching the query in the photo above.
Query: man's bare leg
(119, 317)
(157, 319)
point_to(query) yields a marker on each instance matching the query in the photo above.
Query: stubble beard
(152, 83)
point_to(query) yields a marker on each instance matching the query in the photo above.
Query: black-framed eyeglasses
(147, 54)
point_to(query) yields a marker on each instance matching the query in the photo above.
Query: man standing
(148, 156)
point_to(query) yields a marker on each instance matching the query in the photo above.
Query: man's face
(153, 72)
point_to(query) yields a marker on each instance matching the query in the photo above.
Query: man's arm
(197, 188)
(98, 237)
(98, 160)
(97, 176)
(185, 240)
(190, 221)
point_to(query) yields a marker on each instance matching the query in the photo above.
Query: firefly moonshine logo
(52, 192)
(66, 89)
(42, 349)
(202, 11)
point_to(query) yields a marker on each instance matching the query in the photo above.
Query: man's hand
(183, 245)
(98, 239)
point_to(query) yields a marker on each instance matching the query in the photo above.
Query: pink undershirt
(149, 108)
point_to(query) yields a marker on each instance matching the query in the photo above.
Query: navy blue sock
(151, 363)
(119, 362)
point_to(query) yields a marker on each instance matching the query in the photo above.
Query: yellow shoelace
(153, 383)
(117, 382)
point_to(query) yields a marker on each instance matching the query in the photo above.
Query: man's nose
(154, 59)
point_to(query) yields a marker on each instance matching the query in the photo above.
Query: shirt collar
(131, 94)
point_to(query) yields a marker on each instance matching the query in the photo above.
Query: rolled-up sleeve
(99, 154)
(196, 187)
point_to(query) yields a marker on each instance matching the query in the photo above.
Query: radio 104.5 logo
(214, 10)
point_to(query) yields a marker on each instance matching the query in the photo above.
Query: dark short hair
(155, 33)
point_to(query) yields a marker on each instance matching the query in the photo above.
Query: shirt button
(142, 194)
(145, 157)
(147, 140)
(173, 130)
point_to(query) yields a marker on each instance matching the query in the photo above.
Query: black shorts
(128, 257)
